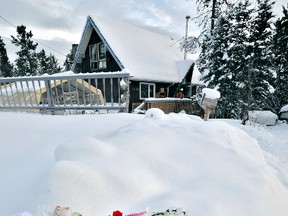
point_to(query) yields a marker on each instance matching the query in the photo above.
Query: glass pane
(102, 64)
(144, 91)
(151, 90)
(102, 51)
(92, 52)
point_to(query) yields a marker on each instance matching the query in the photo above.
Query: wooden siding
(135, 92)
(84, 67)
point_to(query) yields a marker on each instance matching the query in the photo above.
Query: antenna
(186, 36)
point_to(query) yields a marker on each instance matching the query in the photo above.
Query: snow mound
(130, 162)
(23, 214)
(263, 117)
(155, 113)
(160, 168)
(284, 108)
(83, 148)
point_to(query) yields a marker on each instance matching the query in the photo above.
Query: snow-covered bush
(267, 118)
(283, 114)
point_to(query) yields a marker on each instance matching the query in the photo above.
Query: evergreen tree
(70, 58)
(47, 64)
(257, 77)
(6, 69)
(226, 58)
(280, 47)
(209, 11)
(42, 62)
(53, 66)
(214, 60)
(26, 63)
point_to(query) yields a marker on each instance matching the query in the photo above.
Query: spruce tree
(226, 55)
(53, 66)
(213, 60)
(6, 69)
(47, 64)
(257, 75)
(42, 62)
(280, 47)
(68, 61)
(26, 62)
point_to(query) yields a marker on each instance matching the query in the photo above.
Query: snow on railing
(64, 92)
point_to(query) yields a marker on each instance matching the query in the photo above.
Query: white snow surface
(96, 164)
(211, 93)
(284, 108)
(263, 117)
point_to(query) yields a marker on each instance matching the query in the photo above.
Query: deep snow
(96, 164)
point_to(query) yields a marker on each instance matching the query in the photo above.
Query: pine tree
(47, 64)
(257, 76)
(53, 66)
(6, 69)
(209, 11)
(226, 53)
(214, 60)
(26, 62)
(42, 62)
(280, 47)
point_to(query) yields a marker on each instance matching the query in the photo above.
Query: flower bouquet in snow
(170, 212)
(64, 211)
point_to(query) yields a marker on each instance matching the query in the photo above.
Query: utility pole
(213, 14)
(186, 36)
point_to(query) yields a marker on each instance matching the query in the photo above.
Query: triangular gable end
(148, 56)
(90, 26)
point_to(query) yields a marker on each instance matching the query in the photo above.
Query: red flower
(117, 213)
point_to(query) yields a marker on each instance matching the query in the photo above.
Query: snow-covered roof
(145, 54)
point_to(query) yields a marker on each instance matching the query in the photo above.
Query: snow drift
(96, 164)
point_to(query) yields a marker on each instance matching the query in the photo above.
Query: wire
(7, 21)
(33, 39)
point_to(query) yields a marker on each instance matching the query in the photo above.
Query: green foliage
(29, 62)
(236, 58)
(6, 69)
(280, 47)
(47, 64)
(26, 63)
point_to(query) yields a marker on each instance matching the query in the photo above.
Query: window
(97, 54)
(147, 90)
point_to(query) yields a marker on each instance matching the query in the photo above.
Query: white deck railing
(65, 92)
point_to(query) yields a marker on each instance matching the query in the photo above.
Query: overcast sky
(59, 23)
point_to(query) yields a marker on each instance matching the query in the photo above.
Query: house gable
(92, 37)
(148, 56)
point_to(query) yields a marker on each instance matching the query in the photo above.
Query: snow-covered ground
(96, 164)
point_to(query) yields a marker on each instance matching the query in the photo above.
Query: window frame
(149, 85)
(98, 56)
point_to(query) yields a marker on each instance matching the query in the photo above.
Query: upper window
(147, 90)
(97, 54)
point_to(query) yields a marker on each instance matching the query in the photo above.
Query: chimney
(186, 36)
(74, 49)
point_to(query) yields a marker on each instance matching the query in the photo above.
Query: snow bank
(211, 93)
(284, 108)
(96, 164)
(263, 117)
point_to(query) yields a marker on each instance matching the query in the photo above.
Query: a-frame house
(154, 61)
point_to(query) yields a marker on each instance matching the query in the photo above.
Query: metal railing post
(48, 94)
